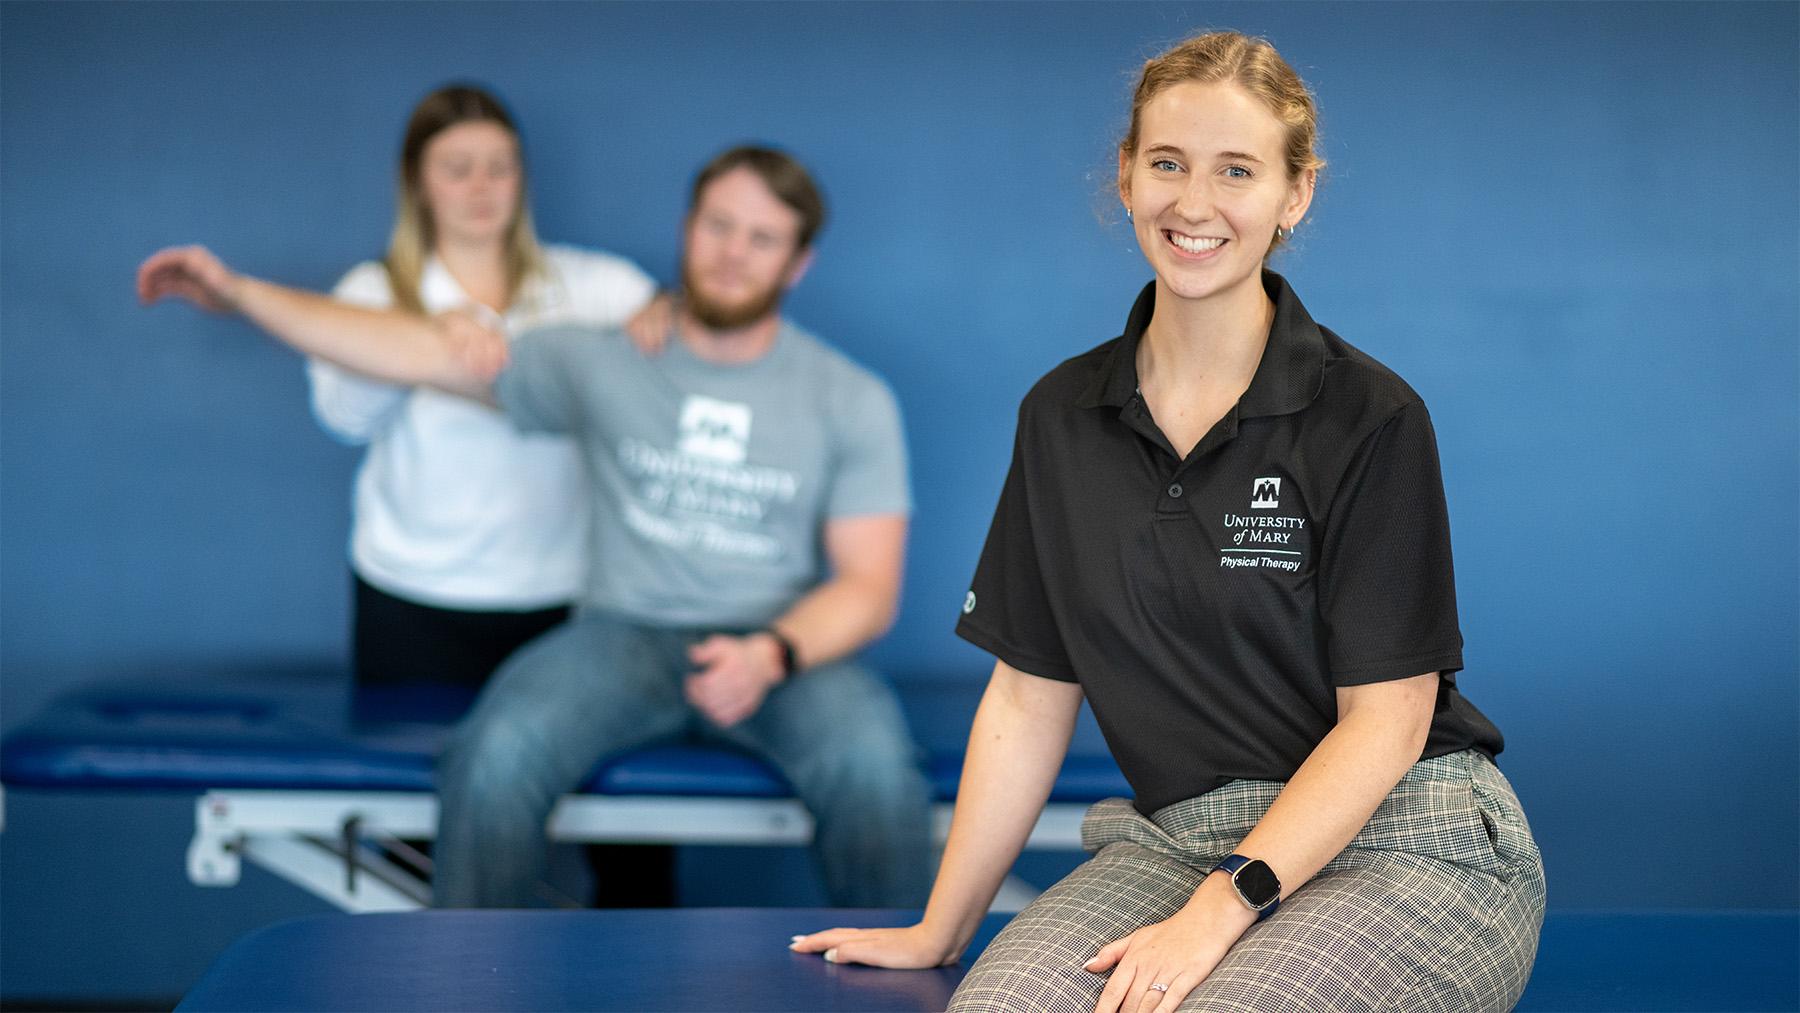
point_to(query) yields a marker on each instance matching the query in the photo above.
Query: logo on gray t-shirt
(711, 484)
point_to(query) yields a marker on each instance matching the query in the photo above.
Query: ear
(1300, 197)
(1125, 178)
(797, 269)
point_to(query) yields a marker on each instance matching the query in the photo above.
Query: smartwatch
(1255, 883)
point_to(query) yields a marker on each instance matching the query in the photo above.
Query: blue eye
(1238, 172)
(1165, 165)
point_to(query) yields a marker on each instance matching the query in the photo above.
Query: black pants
(396, 642)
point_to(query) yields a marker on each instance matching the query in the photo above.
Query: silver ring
(1159, 987)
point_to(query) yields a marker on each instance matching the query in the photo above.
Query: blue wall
(1572, 228)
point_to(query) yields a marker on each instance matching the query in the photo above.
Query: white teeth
(1192, 245)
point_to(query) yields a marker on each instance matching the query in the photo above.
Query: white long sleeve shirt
(454, 507)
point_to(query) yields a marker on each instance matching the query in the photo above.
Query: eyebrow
(1241, 156)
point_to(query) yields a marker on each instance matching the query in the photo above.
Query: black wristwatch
(788, 663)
(1255, 883)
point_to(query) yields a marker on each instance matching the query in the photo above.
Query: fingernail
(831, 955)
(797, 938)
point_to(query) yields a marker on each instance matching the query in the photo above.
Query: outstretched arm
(1016, 746)
(452, 352)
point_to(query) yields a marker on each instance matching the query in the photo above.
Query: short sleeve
(348, 405)
(1007, 610)
(1387, 589)
(869, 473)
(605, 290)
(535, 390)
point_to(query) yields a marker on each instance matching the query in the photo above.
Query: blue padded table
(304, 726)
(721, 959)
(306, 729)
(686, 959)
(296, 773)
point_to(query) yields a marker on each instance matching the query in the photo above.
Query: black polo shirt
(1210, 606)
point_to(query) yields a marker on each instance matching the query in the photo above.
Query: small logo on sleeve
(969, 603)
(1265, 494)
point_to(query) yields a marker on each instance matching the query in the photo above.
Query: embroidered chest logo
(1265, 494)
(1260, 540)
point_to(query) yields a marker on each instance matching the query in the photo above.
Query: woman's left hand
(1178, 953)
(649, 328)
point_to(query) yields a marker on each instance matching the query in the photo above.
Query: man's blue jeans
(599, 685)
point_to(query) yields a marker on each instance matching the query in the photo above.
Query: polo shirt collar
(1288, 378)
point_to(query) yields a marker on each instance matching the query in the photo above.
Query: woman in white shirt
(469, 536)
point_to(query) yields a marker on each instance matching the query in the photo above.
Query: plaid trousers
(1434, 906)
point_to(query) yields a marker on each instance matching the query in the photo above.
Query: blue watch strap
(1231, 865)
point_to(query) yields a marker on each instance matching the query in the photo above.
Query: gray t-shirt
(711, 483)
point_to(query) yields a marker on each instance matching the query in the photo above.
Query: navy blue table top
(736, 959)
(681, 959)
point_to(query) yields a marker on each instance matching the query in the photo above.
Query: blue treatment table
(683, 959)
(294, 772)
(700, 959)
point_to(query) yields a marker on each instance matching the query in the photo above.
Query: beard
(722, 316)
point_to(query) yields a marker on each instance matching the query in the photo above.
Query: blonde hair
(414, 235)
(1252, 64)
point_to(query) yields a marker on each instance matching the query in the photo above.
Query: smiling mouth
(1193, 244)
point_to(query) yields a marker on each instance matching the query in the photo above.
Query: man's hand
(735, 673)
(478, 349)
(191, 273)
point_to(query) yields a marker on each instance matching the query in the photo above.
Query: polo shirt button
(1175, 491)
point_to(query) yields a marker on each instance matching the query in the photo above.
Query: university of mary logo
(714, 430)
(1264, 541)
(1265, 494)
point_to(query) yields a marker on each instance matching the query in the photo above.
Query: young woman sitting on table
(1226, 530)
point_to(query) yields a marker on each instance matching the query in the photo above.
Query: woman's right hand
(910, 947)
(191, 273)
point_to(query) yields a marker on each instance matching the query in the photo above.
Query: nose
(736, 246)
(1196, 203)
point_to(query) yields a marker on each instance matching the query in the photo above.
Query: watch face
(1257, 884)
